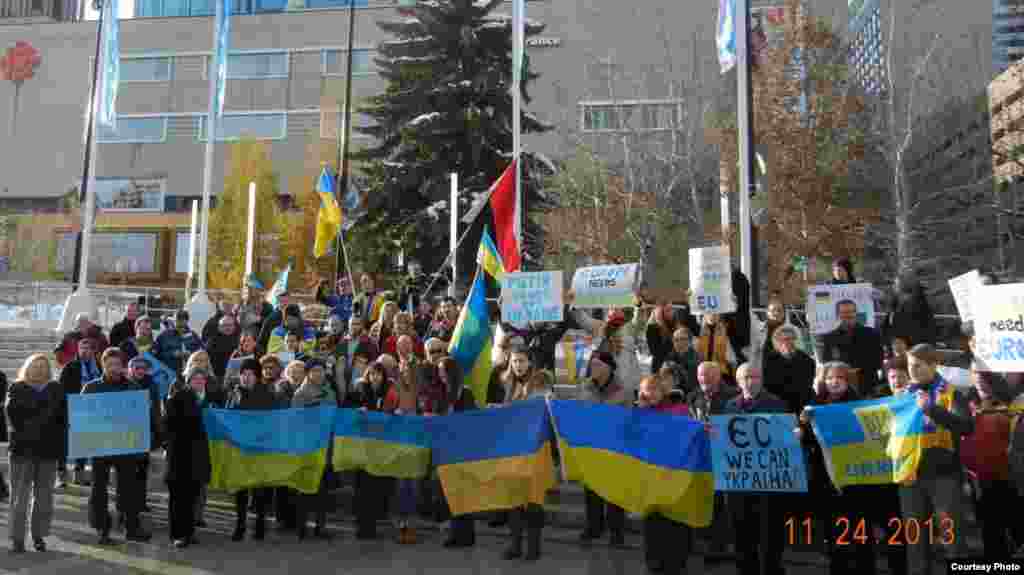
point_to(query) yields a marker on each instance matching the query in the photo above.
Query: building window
(145, 69)
(113, 252)
(600, 118)
(660, 116)
(254, 65)
(633, 115)
(331, 119)
(336, 3)
(165, 8)
(259, 126)
(334, 62)
(130, 194)
(181, 243)
(134, 130)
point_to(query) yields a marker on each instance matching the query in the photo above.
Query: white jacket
(627, 369)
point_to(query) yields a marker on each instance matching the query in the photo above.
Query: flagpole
(201, 308)
(518, 47)
(343, 163)
(80, 301)
(453, 232)
(744, 123)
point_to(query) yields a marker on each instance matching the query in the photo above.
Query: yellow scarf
(721, 356)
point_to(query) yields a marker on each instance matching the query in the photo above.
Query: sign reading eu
(105, 424)
(757, 452)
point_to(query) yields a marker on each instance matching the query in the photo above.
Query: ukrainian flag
(328, 219)
(286, 447)
(381, 444)
(488, 257)
(471, 341)
(493, 459)
(871, 442)
(638, 459)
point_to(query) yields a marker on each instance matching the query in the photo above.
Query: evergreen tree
(447, 108)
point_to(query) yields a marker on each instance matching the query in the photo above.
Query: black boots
(239, 532)
(532, 543)
(515, 545)
(530, 519)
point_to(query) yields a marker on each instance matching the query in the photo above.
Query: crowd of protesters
(379, 353)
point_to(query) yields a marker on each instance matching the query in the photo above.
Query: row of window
(231, 127)
(167, 8)
(248, 65)
(124, 252)
(649, 115)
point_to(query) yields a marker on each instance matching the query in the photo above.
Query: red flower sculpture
(20, 62)
(17, 65)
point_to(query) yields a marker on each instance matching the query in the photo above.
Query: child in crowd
(667, 543)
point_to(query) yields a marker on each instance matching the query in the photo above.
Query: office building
(1007, 33)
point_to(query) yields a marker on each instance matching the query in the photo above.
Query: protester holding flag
(369, 300)
(36, 414)
(935, 491)
(254, 309)
(291, 321)
(188, 466)
(174, 346)
(328, 218)
(462, 529)
(340, 302)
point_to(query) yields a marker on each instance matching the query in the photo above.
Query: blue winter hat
(253, 282)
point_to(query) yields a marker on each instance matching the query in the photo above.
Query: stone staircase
(17, 343)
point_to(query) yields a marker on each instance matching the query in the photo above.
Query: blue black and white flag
(110, 66)
(726, 35)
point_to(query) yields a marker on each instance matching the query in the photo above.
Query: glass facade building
(166, 8)
(1007, 33)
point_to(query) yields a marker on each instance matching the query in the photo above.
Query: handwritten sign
(963, 287)
(105, 424)
(531, 297)
(999, 327)
(605, 286)
(822, 300)
(711, 280)
(757, 452)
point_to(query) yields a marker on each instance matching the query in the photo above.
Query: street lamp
(80, 301)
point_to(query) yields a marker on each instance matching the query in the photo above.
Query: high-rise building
(1007, 33)
(39, 10)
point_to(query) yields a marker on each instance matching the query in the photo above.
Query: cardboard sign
(999, 327)
(531, 297)
(711, 280)
(605, 286)
(822, 300)
(757, 452)
(963, 287)
(105, 424)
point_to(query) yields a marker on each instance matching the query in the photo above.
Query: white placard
(531, 297)
(604, 286)
(822, 300)
(963, 287)
(999, 327)
(711, 280)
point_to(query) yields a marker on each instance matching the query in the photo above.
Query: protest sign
(531, 297)
(962, 287)
(571, 356)
(711, 280)
(999, 327)
(757, 452)
(604, 286)
(105, 424)
(822, 300)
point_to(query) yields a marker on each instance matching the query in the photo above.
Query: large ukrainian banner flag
(381, 444)
(871, 442)
(493, 459)
(286, 447)
(638, 459)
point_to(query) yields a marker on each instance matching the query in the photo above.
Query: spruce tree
(447, 108)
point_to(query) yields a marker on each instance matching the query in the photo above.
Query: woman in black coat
(188, 455)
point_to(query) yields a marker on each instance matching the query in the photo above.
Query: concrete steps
(17, 343)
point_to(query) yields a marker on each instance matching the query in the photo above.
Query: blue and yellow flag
(870, 442)
(488, 257)
(471, 341)
(328, 219)
(381, 444)
(494, 459)
(286, 447)
(638, 459)
(280, 286)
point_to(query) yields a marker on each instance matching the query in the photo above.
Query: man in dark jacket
(174, 346)
(788, 371)
(756, 516)
(222, 344)
(130, 492)
(911, 317)
(853, 344)
(125, 329)
(4, 491)
(138, 374)
(67, 349)
(253, 393)
(73, 377)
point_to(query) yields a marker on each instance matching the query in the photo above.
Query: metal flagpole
(744, 111)
(80, 301)
(343, 148)
(250, 240)
(453, 232)
(518, 47)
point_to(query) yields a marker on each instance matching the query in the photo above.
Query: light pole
(80, 301)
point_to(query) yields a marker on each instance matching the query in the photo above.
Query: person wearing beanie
(188, 467)
(601, 386)
(842, 272)
(315, 390)
(292, 322)
(255, 394)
